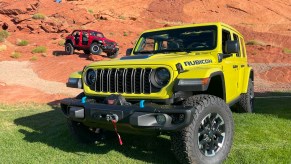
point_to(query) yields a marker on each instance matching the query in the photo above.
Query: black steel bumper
(130, 119)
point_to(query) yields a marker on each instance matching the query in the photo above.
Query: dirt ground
(41, 77)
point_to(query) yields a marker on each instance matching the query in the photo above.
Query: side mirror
(231, 46)
(128, 51)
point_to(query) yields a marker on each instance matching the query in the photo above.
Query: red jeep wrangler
(90, 41)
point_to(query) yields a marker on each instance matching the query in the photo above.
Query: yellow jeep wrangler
(178, 81)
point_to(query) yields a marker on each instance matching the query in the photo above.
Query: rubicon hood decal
(197, 62)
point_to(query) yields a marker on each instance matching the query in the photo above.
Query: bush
(255, 42)
(90, 11)
(22, 43)
(121, 17)
(16, 55)
(3, 35)
(38, 16)
(62, 42)
(287, 51)
(34, 58)
(39, 49)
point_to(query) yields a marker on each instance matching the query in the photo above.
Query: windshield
(178, 40)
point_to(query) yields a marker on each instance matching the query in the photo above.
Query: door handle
(242, 66)
(234, 66)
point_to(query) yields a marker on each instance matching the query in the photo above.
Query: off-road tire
(185, 143)
(87, 52)
(81, 132)
(246, 102)
(112, 55)
(95, 49)
(69, 49)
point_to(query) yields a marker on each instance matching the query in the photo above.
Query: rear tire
(209, 137)
(95, 49)
(69, 49)
(246, 102)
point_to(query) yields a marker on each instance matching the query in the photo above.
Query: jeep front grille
(124, 80)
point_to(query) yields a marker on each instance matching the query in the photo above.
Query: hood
(188, 60)
(108, 40)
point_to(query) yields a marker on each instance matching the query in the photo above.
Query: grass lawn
(33, 133)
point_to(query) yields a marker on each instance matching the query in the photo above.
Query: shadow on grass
(50, 128)
(274, 103)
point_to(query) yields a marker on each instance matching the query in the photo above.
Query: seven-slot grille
(124, 80)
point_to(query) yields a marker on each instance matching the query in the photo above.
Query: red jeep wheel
(95, 49)
(69, 48)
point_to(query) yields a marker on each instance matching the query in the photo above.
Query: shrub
(125, 34)
(3, 48)
(255, 42)
(287, 51)
(121, 17)
(3, 34)
(16, 55)
(22, 43)
(38, 16)
(33, 58)
(39, 49)
(62, 42)
(90, 11)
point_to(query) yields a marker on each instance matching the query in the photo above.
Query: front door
(230, 70)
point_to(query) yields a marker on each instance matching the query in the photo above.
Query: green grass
(22, 43)
(287, 51)
(38, 16)
(39, 49)
(16, 55)
(3, 35)
(38, 133)
(255, 42)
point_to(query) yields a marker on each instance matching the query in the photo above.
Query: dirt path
(20, 73)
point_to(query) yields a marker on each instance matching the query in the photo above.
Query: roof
(195, 25)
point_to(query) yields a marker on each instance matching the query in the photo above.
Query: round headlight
(161, 77)
(90, 77)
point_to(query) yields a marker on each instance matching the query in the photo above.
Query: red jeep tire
(95, 49)
(69, 48)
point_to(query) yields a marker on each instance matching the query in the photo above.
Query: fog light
(161, 119)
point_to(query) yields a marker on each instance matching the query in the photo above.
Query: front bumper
(110, 48)
(130, 119)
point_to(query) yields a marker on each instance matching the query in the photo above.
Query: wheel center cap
(210, 134)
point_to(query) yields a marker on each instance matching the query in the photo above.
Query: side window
(235, 37)
(242, 43)
(225, 37)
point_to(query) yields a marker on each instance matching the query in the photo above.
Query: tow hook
(114, 119)
(110, 117)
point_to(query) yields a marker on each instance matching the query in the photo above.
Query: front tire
(83, 133)
(246, 102)
(209, 137)
(95, 49)
(69, 49)
(112, 55)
